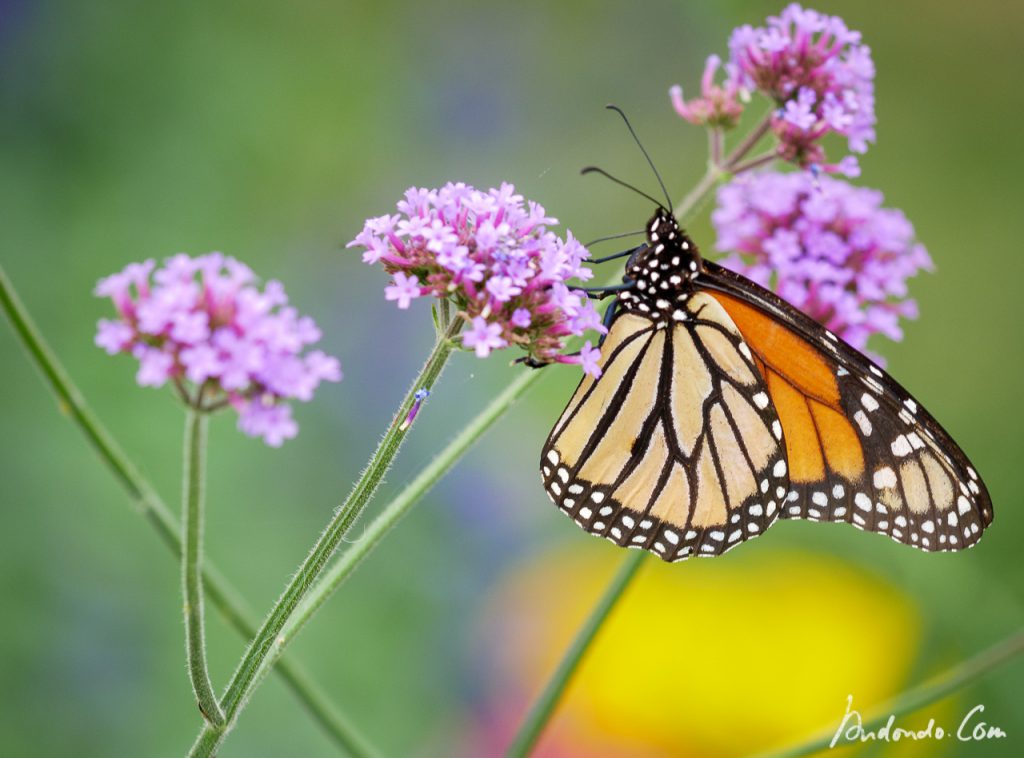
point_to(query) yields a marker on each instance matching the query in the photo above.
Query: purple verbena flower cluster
(493, 256)
(204, 325)
(815, 70)
(825, 246)
(819, 74)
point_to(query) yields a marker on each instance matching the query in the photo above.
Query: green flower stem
(266, 641)
(342, 568)
(914, 699)
(544, 706)
(193, 497)
(223, 596)
(749, 165)
(748, 142)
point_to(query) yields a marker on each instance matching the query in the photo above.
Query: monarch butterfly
(721, 408)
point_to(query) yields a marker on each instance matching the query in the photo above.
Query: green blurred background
(270, 131)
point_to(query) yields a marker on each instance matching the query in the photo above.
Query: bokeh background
(269, 131)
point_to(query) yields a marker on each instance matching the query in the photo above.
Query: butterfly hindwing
(676, 448)
(860, 449)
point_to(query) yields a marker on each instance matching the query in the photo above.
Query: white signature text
(970, 729)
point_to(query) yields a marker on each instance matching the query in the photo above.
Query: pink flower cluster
(202, 324)
(815, 70)
(820, 75)
(827, 247)
(494, 257)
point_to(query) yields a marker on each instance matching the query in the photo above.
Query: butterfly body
(721, 408)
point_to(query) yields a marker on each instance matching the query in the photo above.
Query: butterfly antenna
(617, 109)
(614, 237)
(596, 170)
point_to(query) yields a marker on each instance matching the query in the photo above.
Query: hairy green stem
(914, 699)
(268, 639)
(392, 513)
(193, 502)
(544, 706)
(223, 596)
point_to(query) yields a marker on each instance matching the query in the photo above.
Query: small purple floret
(404, 290)
(483, 337)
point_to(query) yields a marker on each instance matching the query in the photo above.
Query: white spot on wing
(884, 478)
(901, 446)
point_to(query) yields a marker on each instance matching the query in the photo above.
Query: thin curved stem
(223, 596)
(193, 501)
(748, 142)
(393, 512)
(716, 143)
(934, 689)
(756, 162)
(268, 640)
(544, 706)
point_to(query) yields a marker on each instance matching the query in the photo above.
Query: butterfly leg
(615, 256)
(599, 293)
(609, 316)
(531, 362)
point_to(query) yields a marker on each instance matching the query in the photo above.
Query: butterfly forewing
(676, 448)
(860, 449)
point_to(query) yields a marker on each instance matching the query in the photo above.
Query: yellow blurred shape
(703, 658)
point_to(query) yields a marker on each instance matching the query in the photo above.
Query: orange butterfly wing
(860, 449)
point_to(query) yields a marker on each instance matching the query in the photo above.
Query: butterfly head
(669, 260)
